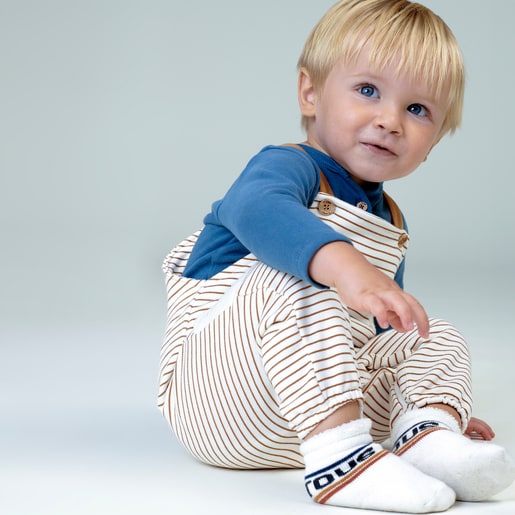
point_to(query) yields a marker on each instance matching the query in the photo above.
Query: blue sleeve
(266, 210)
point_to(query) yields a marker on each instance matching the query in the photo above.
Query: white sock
(431, 440)
(345, 468)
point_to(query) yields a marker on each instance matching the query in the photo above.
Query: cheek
(343, 121)
(428, 148)
(424, 141)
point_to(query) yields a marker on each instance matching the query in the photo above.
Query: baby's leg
(266, 366)
(418, 376)
(401, 372)
(343, 466)
(263, 361)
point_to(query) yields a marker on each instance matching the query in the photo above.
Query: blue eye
(417, 110)
(368, 91)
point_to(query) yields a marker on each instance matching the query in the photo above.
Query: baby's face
(378, 125)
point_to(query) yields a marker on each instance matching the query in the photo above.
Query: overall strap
(395, 211)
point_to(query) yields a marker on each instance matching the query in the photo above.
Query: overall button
(362, 205)
(403, 239)
(326, 207)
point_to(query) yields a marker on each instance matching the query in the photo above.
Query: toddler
(290, 340)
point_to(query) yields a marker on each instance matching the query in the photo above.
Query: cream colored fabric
(254, 358)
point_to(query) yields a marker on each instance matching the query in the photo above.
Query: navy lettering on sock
(413, 431)
(322, 481)
(322, 478)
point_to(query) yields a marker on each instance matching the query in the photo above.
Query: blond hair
(397, 33)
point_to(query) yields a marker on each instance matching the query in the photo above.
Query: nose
(389, 119)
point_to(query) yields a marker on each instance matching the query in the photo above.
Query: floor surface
(81, 434)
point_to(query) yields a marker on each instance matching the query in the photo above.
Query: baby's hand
(364, 288)
(394, 308)
(479, 430)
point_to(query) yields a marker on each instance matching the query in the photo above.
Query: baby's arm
(363, 287)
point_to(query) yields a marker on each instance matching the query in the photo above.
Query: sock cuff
(425, 414)
(411, 426)
(350, 434)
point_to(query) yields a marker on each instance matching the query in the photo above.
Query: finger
(378, 309)
(395, 323)
(400, 314)
(391, 310)
(420, 317)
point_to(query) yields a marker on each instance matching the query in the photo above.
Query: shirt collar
(342, 184)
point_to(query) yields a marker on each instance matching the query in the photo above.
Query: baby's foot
(344, 468)
(430, 439)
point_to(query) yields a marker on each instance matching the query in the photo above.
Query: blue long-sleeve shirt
(265, 213)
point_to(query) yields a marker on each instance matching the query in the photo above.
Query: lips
(378, 149)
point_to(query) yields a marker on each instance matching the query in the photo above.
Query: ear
(306, 93)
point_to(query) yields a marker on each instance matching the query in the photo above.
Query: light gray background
(120, 122)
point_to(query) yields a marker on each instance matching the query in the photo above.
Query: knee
(445, 334)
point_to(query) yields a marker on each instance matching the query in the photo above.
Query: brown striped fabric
(402, 371)
(254, 358)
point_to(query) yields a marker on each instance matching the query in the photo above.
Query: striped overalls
(254, 358)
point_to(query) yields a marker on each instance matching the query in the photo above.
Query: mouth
(377, 149)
